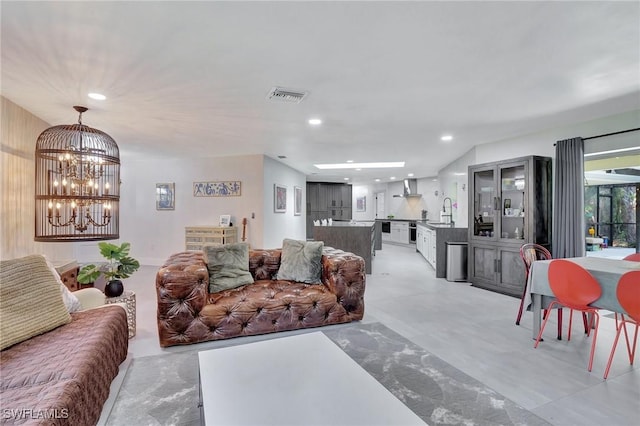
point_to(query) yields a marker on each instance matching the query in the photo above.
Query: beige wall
(20, 129)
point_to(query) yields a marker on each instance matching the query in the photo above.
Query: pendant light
(77, 181)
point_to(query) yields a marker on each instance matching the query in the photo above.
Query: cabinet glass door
(512, 195)
(484, 203)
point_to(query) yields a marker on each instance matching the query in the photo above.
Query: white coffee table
(298, 380)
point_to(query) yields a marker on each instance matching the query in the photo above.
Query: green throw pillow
(301, 261)
(228, 266)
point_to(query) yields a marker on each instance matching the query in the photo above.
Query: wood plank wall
(20, 130)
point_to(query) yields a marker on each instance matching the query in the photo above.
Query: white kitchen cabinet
(400, 232)
(432, 244)
(426, 244)
(431, 247)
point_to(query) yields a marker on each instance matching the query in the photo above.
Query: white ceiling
(387, 78)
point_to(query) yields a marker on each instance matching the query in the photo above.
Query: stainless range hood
(410, 189)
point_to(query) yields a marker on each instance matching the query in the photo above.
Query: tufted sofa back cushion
(264, 264)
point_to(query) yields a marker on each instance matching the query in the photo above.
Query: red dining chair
(628, 292)
(529, 253)
(574, 287)
(633, 256)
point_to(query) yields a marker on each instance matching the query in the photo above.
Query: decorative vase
(114, 288)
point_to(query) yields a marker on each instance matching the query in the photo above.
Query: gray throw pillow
(301, 261)
(228, 266)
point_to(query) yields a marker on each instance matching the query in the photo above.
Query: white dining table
(606, 271)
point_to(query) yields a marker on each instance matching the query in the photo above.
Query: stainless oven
(386, 227)
(386, 230)
(412, 232)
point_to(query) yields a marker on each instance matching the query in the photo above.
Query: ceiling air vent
(280, 94)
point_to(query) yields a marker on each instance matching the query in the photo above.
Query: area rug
(163, 390)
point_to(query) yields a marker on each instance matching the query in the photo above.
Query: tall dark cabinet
(327, 200)
(509, 205)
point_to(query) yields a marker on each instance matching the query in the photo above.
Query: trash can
(456, 261)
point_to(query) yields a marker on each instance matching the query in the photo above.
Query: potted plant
(120, 266)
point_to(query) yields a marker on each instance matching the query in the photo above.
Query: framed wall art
(225, 220)
(361, 204)
(229, 188)
(165, 196)
(297, 201)
(279, 198)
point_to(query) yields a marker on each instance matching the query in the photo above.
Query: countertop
(427, 223)
(434, 225)
(348, 224)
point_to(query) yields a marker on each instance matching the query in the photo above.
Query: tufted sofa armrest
(181, 288)
(344, 274)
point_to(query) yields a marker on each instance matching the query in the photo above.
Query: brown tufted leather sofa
(187, 313)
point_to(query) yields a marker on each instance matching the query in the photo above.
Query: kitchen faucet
(444, 210)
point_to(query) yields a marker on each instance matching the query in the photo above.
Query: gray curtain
(568, 236)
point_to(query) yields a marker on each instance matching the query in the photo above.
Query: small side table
(129, 299)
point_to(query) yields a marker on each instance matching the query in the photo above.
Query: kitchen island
(431, 243)
(355, 237)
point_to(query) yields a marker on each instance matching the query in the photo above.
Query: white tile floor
(474, 330)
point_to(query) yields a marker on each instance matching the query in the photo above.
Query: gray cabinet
(339, 196)
(509, 205)
(327, 200)
(358, 239)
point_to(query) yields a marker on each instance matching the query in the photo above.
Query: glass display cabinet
(509, 205)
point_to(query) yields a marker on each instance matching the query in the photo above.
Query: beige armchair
(92, 298)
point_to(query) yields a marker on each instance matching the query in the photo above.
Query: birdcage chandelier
(77, 181)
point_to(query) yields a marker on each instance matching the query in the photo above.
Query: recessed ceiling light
(459, 174)
(377, 180)
(392, 178)
(349, 161)
(315, 121)
(410, 174)
(346, 178)
(446, 138)
(97, 96)
(388, 164)
(357, 170)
